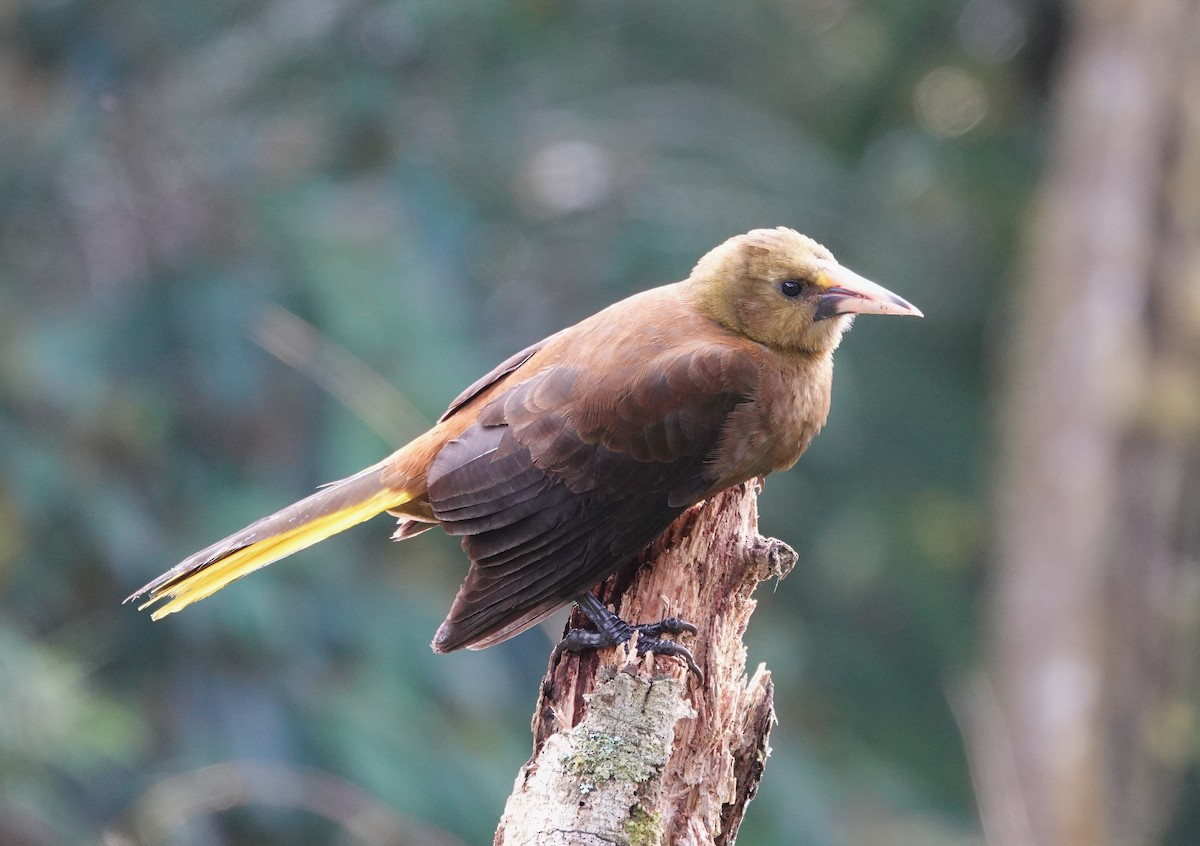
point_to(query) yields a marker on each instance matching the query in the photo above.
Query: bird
(567, 459)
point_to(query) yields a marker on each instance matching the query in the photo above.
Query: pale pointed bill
(857, 295)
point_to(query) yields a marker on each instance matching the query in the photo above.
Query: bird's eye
(790, 288)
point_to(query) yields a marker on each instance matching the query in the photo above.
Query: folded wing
(570, 473)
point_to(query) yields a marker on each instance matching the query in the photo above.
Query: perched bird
(566, 460)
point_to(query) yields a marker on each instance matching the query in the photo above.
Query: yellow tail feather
(208, 571)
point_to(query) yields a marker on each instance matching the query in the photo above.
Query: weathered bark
(635, 750)
(1082, 720)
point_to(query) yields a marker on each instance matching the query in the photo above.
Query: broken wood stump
(636, 750)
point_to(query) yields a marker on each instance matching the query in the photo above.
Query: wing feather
(569, 473)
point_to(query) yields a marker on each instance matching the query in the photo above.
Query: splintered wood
(637, 751)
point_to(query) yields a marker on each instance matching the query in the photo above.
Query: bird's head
(784, 290)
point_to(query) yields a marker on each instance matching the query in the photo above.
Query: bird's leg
(611, 630)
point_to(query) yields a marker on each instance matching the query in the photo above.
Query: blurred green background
(430, 186)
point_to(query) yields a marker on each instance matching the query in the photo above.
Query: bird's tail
(334, 508)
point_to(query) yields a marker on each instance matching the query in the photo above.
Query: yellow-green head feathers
(764, 285)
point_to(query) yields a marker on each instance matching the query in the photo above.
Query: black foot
(612, 630)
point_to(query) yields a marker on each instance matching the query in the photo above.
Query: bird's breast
(773, 429)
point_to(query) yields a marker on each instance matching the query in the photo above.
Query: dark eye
(790, 288)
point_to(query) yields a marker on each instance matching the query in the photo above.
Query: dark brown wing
(497, 373)
(567, 475)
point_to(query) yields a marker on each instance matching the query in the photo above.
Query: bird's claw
(671, 625)
(612, 630)
(581, 640)
(658, 646)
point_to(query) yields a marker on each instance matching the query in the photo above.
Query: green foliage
(433, 186)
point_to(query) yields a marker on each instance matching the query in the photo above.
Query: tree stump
(635, 750)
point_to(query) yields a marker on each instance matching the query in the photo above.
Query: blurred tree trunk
(1085, 717)
(637, 751)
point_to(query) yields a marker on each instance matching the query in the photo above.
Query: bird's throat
(823, 336)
